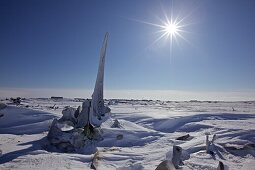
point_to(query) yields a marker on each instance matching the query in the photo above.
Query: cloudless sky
(56, 44)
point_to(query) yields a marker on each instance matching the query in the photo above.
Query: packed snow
(139, 135)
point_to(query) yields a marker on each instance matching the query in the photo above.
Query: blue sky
(56, 44)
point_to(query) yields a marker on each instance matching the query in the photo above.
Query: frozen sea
(148, 128)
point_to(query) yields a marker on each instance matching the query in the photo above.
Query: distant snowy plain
(148, 128)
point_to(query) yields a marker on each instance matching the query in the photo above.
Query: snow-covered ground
(147, 133)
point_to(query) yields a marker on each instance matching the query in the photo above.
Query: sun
(171, 29)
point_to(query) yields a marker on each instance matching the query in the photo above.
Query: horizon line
(164, 95)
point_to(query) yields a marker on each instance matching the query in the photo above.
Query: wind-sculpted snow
(139, 135)
(24, 121)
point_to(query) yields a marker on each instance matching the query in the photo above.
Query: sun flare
(171, 29)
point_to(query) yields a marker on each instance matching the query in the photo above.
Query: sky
(56, 45)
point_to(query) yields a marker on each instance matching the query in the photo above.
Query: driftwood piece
(207, 143)
(184, 137)
(94, 162)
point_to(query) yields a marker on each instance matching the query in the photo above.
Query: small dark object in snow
(119, 137)
(220, 166)
(116, 124)
(56, 98)
(249, 146)
(211, 153)
(185, 137)
(53, 107)
(16, 101)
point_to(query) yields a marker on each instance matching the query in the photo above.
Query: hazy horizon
(166, 95)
